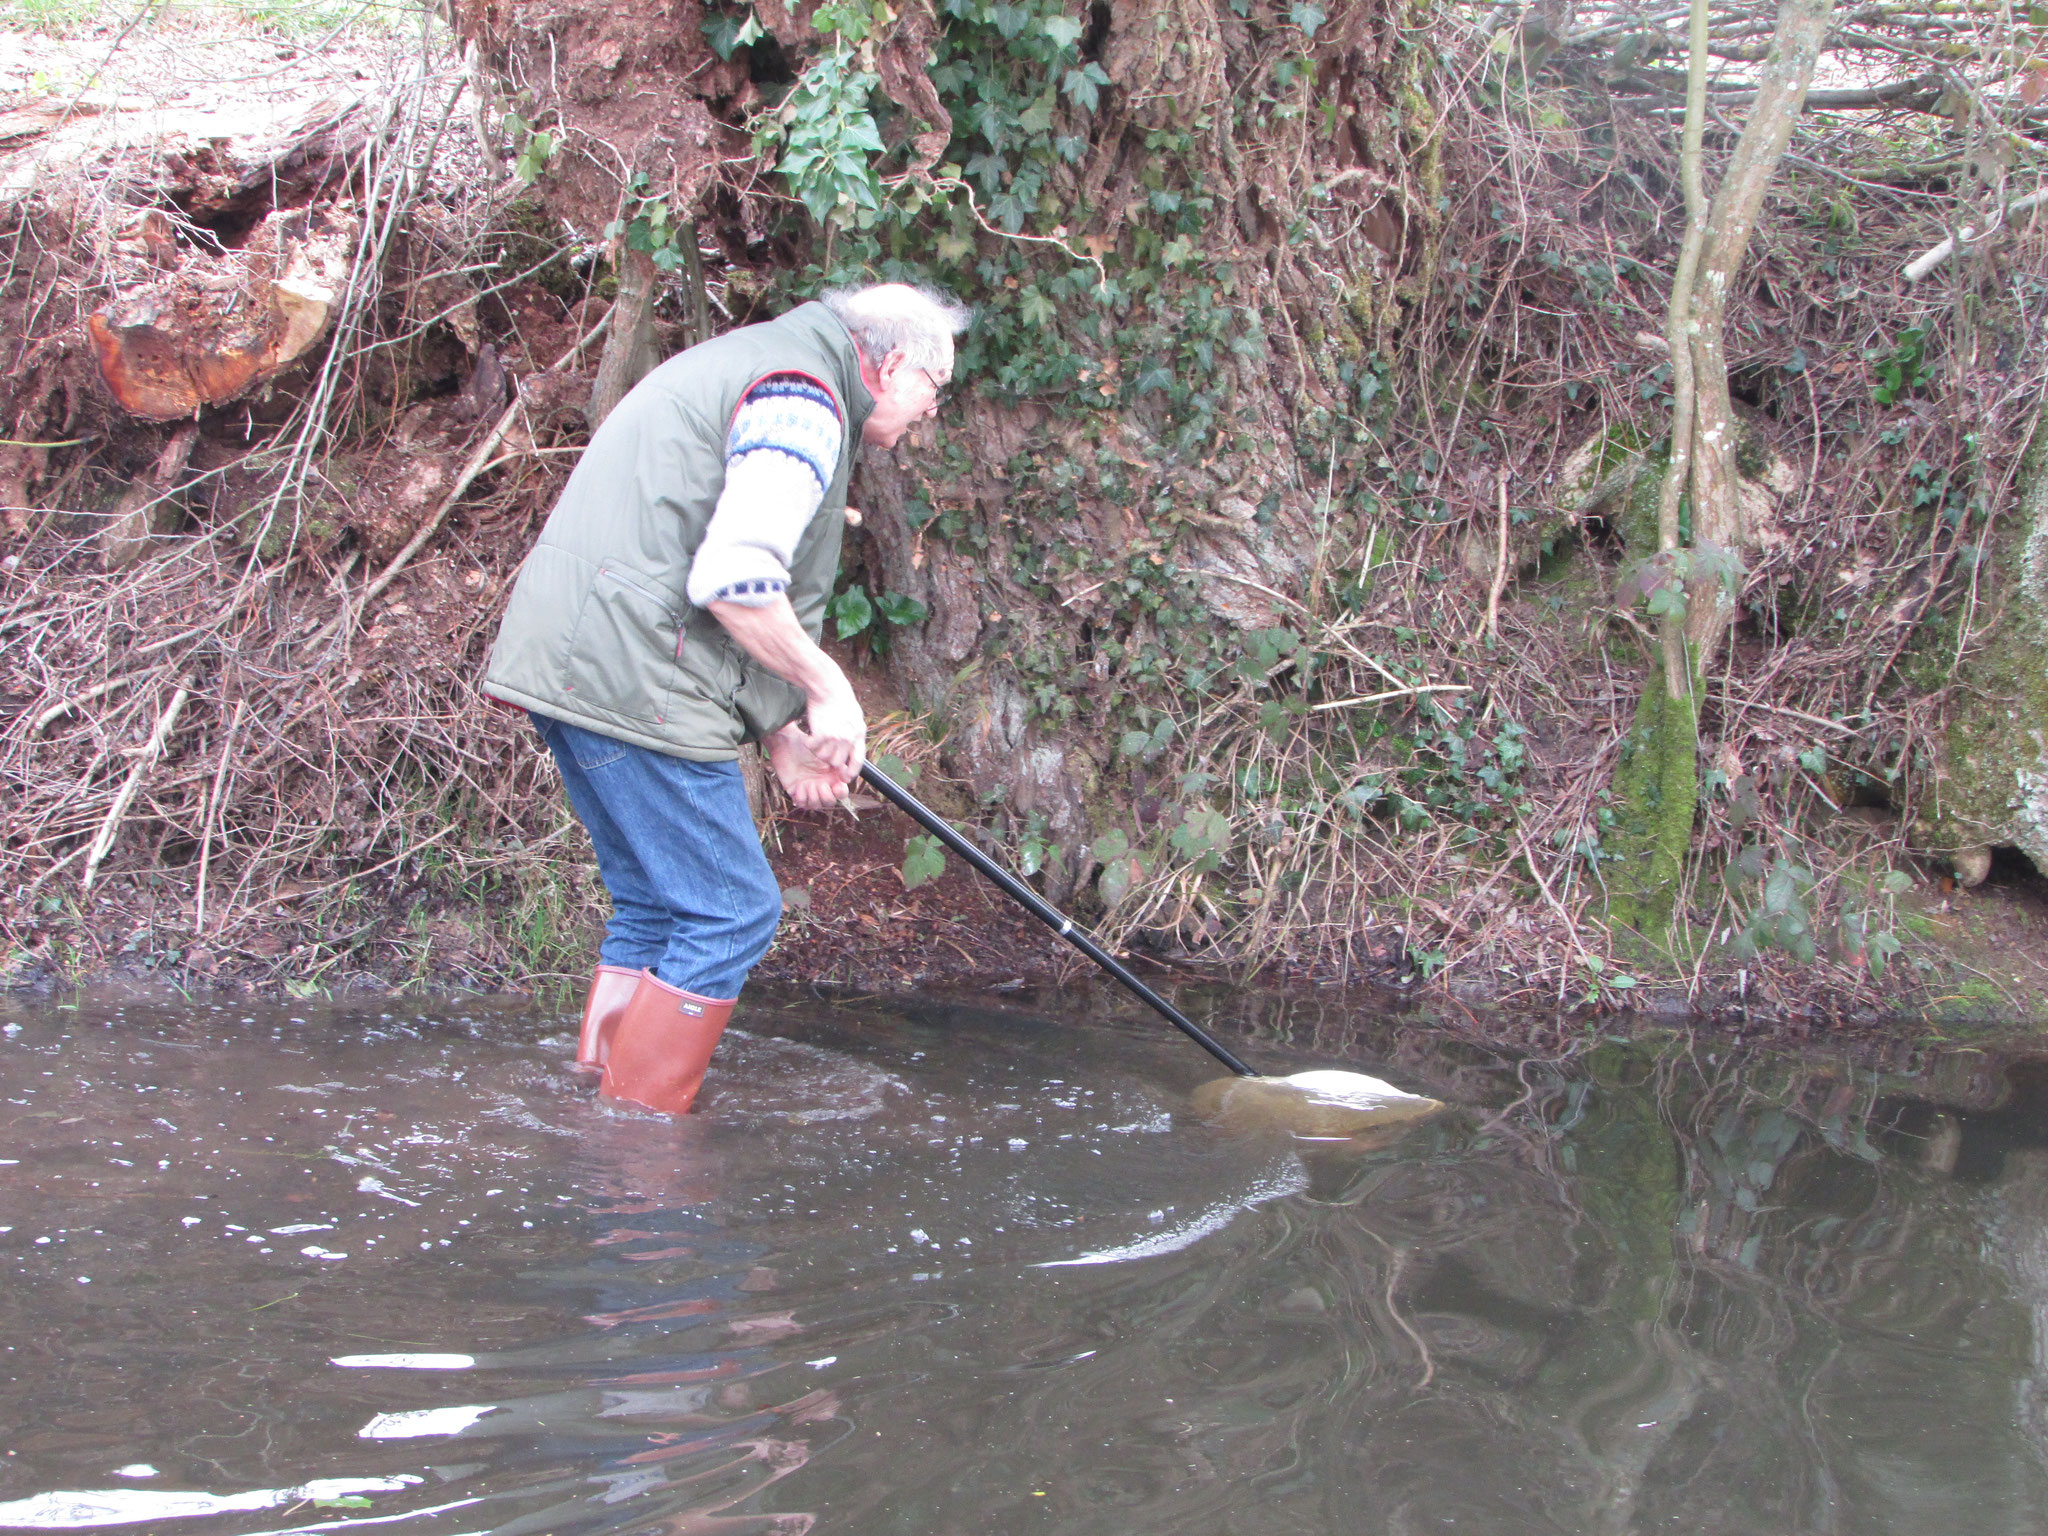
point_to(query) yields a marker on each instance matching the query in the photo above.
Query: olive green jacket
(598, 631)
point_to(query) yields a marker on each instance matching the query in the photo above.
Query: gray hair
(918, 321)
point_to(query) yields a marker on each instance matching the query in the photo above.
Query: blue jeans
(693, 898)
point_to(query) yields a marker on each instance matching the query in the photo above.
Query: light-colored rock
(1991, 784)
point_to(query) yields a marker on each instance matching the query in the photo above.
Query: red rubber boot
(610, 990)
(661, 1046)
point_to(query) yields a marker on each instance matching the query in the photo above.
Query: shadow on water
(941, 1269)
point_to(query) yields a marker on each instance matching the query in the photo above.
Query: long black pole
(1046, 913)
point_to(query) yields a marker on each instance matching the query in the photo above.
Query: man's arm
(838, 736)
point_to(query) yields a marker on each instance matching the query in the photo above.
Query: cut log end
(164, 357)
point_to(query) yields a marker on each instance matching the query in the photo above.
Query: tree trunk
(1657, 778)
(629, 341)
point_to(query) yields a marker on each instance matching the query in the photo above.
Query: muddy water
(949, 1270)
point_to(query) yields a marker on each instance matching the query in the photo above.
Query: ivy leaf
(1667, 600)
(1307, 15)
(1036, 308)
(1082, 88)
(728, 34)
(1065, 31)
(821, 198)
(1202, 837)
(1036, 119)
(1118, 876)
(989, 170)
(1112, 845)
(898, 609)
(860, 132)
(1010, 20)
(851, 612)
(896, 768)
(1009, 210)
(534, 155)
(923, 859)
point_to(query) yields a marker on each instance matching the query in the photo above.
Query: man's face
(904, 393)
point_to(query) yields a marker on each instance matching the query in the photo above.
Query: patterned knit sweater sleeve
(780, 455)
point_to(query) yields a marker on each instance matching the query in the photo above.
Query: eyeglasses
(941, 393)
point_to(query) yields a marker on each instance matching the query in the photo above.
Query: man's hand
(838, 735)
(792, 753)
(770, 633)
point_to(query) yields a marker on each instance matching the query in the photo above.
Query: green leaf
(1111, 845)
(1036, 309)
(1667, 600)
(898, 609)
(728, 34)
(534, 155)
(923, 859)
(1065, 31)
(896, 768)
(1898, 881)
(851, 612)
(1118, 876)
(1307, 15)
(1814, 760)
(860, 132)
(1202, 837)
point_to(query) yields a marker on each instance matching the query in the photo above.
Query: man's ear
(890, 368)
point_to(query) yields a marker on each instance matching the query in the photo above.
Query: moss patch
(1656, 793)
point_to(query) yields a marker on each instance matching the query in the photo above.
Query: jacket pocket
(619, 658)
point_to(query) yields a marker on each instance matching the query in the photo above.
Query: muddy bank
(850, 928)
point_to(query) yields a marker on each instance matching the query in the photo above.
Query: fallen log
(211, 163)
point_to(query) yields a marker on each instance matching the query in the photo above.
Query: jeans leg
(636, 936)
(690, 836)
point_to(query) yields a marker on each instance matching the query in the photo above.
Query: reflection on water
(944, 1271)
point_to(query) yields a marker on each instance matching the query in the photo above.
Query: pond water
(944, 1269)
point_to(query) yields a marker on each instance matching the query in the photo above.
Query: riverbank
(1974, 960)
(1330, 678)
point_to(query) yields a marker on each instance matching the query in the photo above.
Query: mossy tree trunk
(1696, 580)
